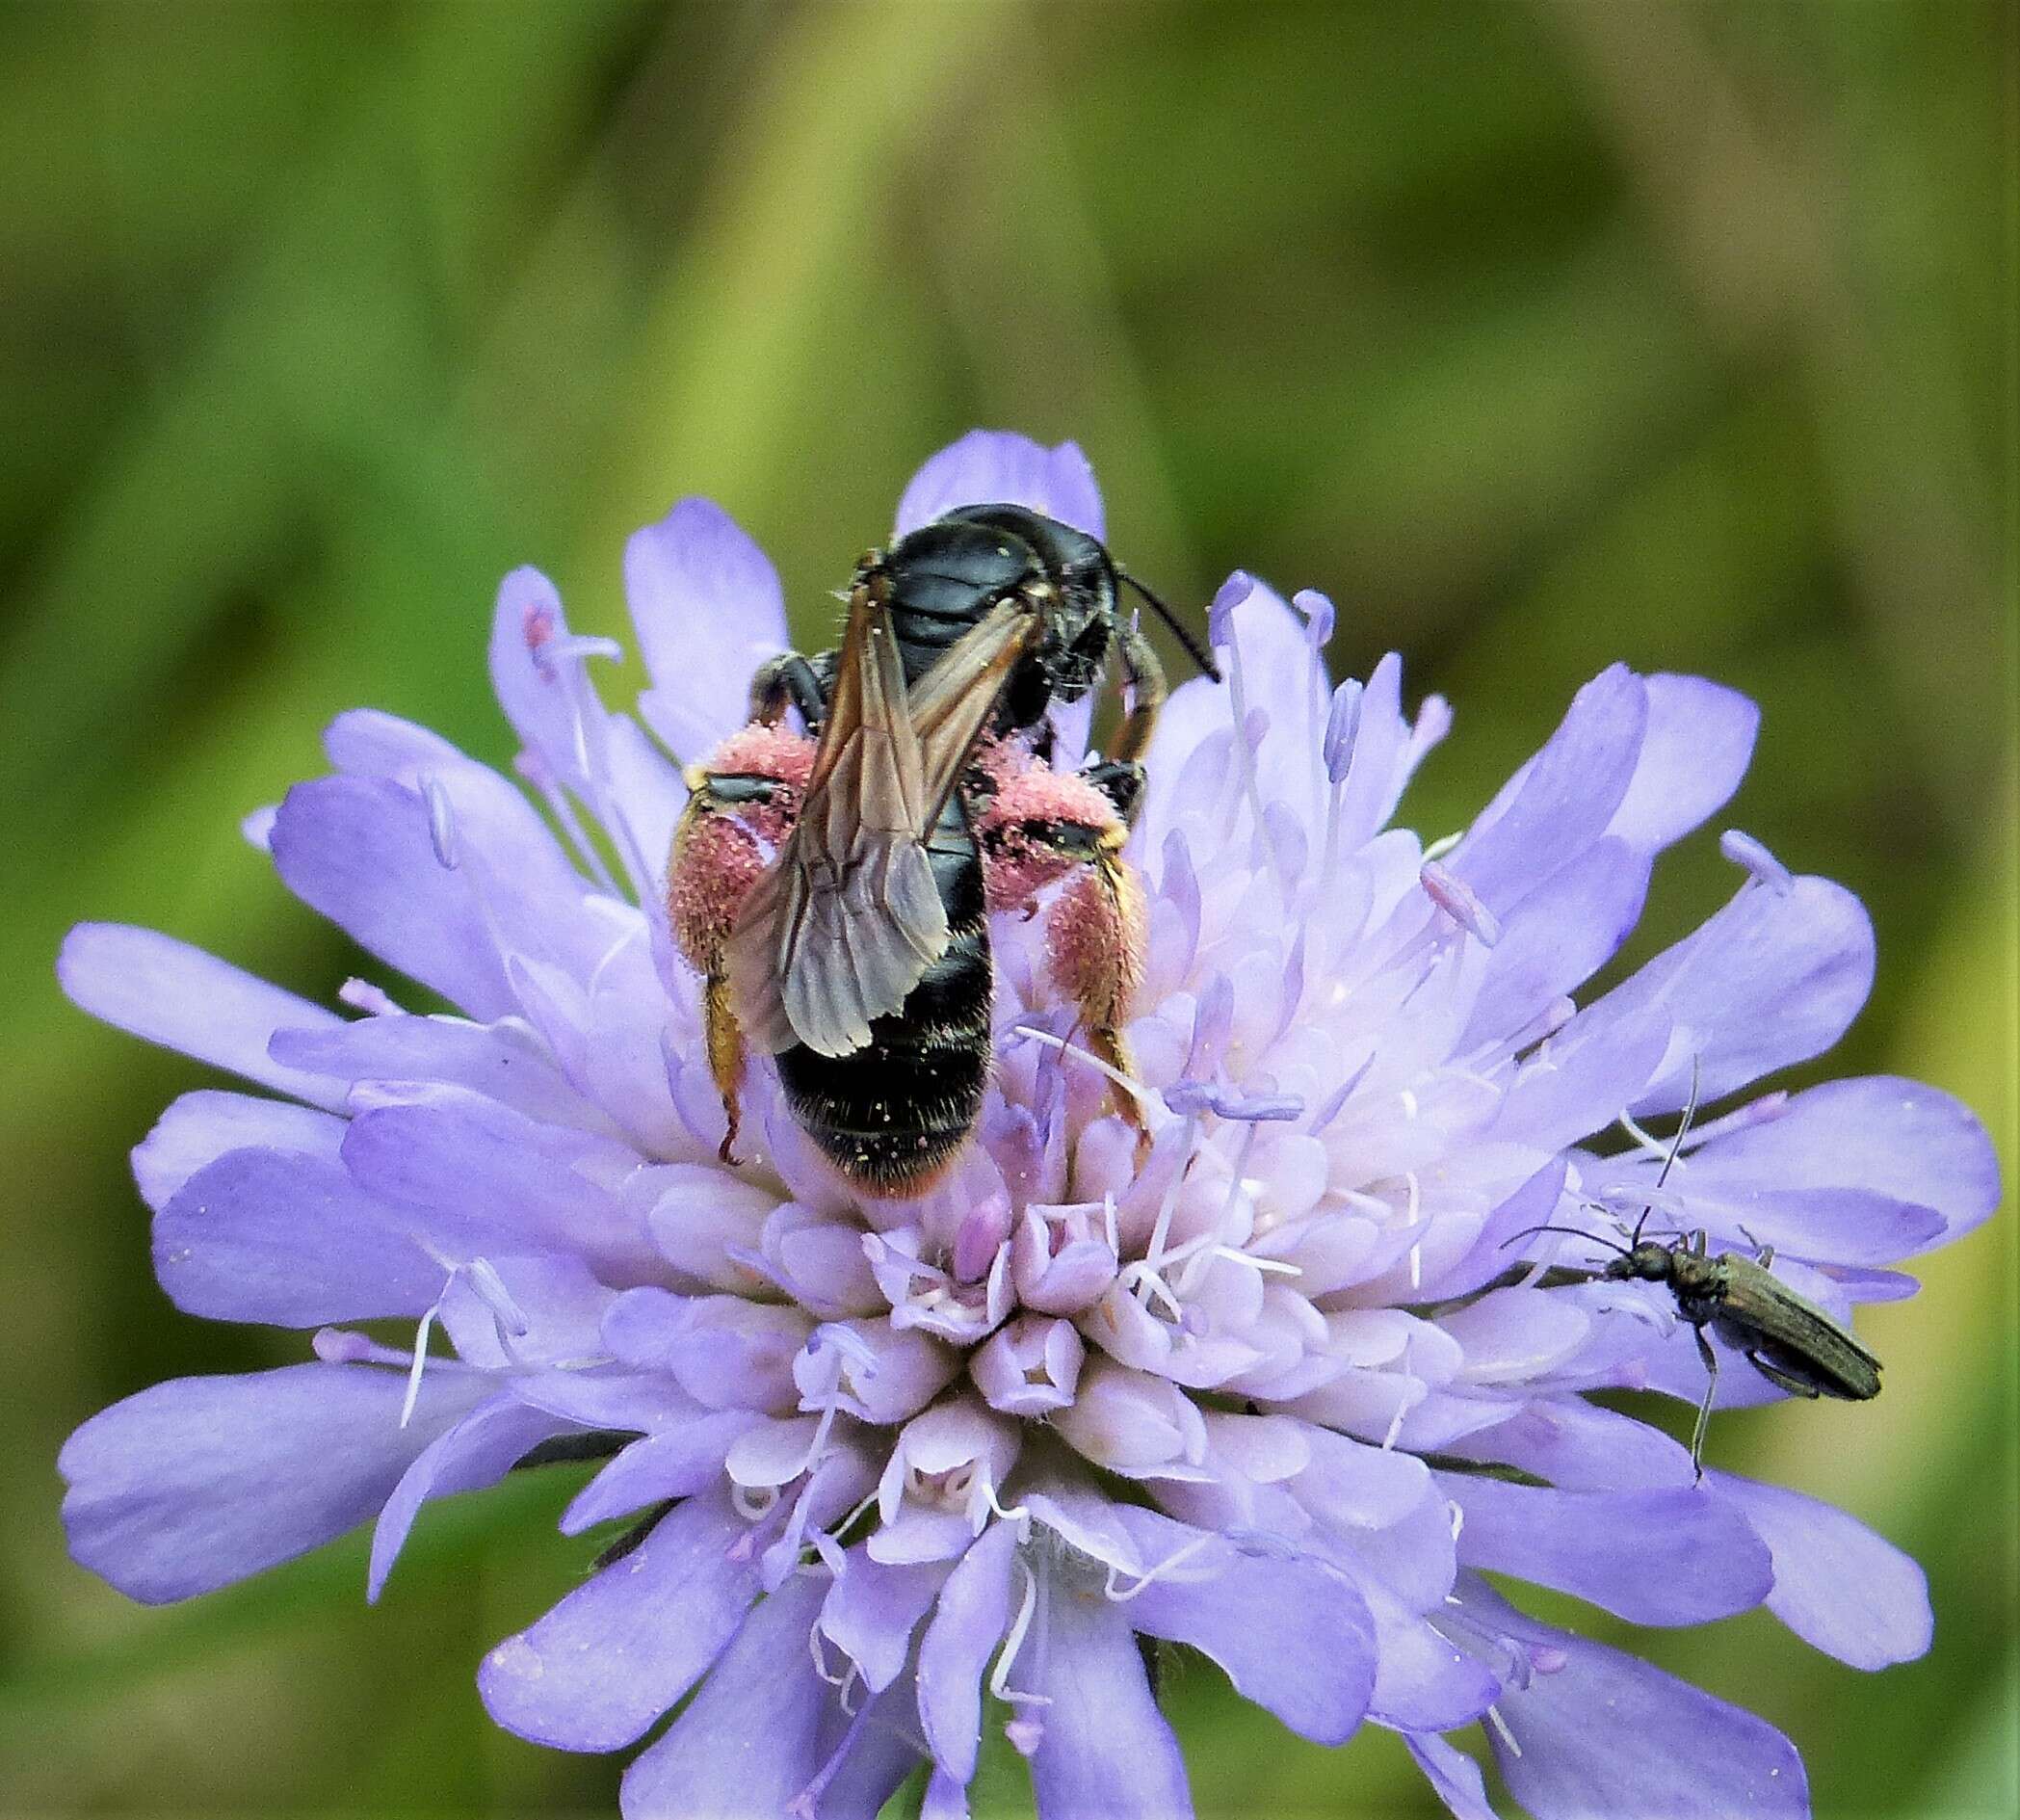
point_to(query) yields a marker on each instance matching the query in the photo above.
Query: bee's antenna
(1193, 649)
(1576, 1232)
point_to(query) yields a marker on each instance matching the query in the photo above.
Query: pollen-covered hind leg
(741, 803)
(725, 1058)
(1094, 941)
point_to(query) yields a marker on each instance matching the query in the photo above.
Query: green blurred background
(1537, 335)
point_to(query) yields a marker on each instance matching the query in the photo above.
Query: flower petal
(1773, 979)
(751, 1739)
(1673, 1556)
(1837, 1585)
(1603, 1735)
(619, 1650)
(709, 610)
(357, 851)
(1879, 1133)
(1293, 1634)
(872, 1610)
(989, 467)
(673, 1462)
(1452, 1774)
(973, 1612)
(1106, 1753)
(478, 1451)
(1560, 801)
(199, 1481)
(1699, 744)
(488, 1175)
(289, 1238)
(201, 1127)
(166, 991)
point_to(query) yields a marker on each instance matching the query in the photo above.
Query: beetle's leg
(1787, 1379)
(1704, 1409)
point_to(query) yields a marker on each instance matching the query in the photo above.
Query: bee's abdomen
(892, 1114)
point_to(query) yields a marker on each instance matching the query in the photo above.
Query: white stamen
(1507, 1737)
(1143, 1095)
(442, 823)
(420, 1362)
(1162, 1571)
(999, 1675)
(753, 1502)
(1643, 1138)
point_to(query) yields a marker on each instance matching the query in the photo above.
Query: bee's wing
(841, 928)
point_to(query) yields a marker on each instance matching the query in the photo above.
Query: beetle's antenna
(1193, 649)
(1577, 1233)
(1676, 1144)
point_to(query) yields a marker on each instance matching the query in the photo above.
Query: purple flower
(898, 1472)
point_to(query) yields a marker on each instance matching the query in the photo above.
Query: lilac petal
(510, 1313)
(1882, 1134)
(709, 610)
(1578, 1447)
(1605, 1734)
(1577, 1087)
(1557, 938)
(478, 1169)
(357, 851)
(1673, 1556)
(166, 991)
(1699, 744)
(1562, 800)
(1423, 1681)
(619, 1650)
(1452, 1774)
(673, 1462)
(1837, 1585)
(1000, 467)
(201, 1127)
(1291, 1634)
(1773, 979)
(973, 1613)
(1106, 1753)
(478, 1452)
(199, 1481)
(503, 1061)
(752, 1738)
(289, 1238)
(872, 1610)
(540, 697)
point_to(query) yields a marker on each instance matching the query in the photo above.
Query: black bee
(834, 888)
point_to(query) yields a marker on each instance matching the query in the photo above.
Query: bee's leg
(1094, 941)
(713, 864)
(787, 680)
(1704, 1409)
(1144, 679)
(725, 1058)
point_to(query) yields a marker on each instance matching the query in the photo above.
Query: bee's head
(1077, 587)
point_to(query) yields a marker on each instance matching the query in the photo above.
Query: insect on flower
(832, 887)
(1787, 1338)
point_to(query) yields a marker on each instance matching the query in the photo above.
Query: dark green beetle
(1787, 1338)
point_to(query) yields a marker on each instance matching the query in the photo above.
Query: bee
(1786, 1337)
(833, 887)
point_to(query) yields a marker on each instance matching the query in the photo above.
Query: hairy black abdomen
(891, 1115)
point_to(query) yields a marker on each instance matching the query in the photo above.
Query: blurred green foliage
(1537, 335)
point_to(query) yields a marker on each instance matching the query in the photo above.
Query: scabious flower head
(895, 1472)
